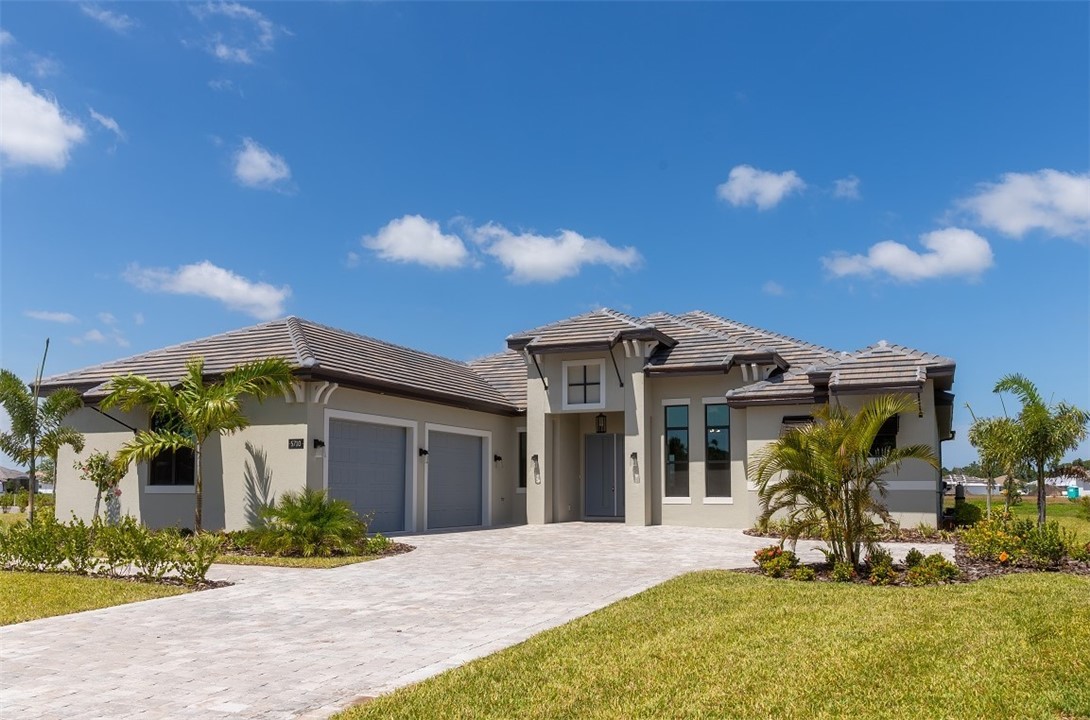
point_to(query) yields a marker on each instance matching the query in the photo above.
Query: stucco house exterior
(602, 416)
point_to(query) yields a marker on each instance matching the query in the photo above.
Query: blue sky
(441, 175)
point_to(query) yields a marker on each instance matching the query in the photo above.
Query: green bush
(774, 561)
(933, 570)
(375, 544)
(1081, 553)
(1047, 545)
(994, 537)
(22, 499)
(193, 556)
(880, 563)
(114, 544)
(1083, 504)
(153, 553)
(966, 514)
(804, 573)
(79, 547)
(842, 572)
(309, 524)
(38, 545)
(913, 558)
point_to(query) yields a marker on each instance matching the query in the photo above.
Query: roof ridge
(624, 317)
(762, 331)
(386, 343)
(714, 333)
(895, 347)
(299, 342)
(526, 333)
(163, 350)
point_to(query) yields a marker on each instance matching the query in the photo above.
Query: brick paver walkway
(289, 643)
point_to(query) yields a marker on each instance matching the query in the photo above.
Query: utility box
(1073, 493)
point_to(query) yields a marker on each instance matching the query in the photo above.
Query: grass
(729, 645)
(295, 562)
(10, 518)
(29, 596)
(1062, 510)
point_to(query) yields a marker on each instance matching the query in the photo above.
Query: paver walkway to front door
(287, 643)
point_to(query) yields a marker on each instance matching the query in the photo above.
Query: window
(583, 384)
(522, 460)
(886, 439)
(795, 422)
(717, 452)
(677, 451)
(173, 467)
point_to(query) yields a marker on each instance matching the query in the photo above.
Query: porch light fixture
(600, 423)
(422, 452)
(319, 449)
(497, 458)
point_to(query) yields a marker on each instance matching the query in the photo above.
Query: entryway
(603, 476)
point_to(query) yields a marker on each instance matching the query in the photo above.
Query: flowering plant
(105, 472)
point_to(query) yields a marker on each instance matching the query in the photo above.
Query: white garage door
(455, 479)
(367, 469)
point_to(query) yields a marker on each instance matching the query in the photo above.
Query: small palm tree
(36, 431)
(197, 410)
(995, 441)
(307, 523)
(1044, 432)
(825, 480)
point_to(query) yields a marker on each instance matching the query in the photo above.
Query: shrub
(22, 499)
(805, 574)
(114, 544)
(842, 572)
(774, 561)
(79, 547)
(966, 514)
(933, 570)
(7, 500)
(1047, 545)
(993, 536)
(1080, 553)
(375, 544)
(880, 562)
(152, 552)
(1083, 504)
(913, 558)
(38, 545)
(193, 556)
(308, 523)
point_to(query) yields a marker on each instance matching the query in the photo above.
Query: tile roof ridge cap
(527, 332)
(159, 351)
(888, 347)
(768, 333)
(490, 356)
(624, 317)
(299, 342)
(387, 343)
(714, 333)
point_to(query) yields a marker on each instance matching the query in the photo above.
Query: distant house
(14, 479)
(602, 416)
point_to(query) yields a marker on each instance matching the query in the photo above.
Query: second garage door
(455, 479)
(367, 469)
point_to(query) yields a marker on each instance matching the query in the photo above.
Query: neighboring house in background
(13, 479)
(601, 416)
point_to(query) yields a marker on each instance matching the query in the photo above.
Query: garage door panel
(455, 479)
(367, 469)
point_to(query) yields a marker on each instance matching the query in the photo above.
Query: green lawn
(29, 596)
(1059, 509)
(729, 645)
(295, 562)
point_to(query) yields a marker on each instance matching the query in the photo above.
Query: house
(601, 416)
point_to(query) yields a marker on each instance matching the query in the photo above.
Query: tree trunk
(1040, 494)
(991, 480)
(32, 485)
(198, 488)
(98, 501)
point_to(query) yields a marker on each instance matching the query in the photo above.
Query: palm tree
(1045, 432)
(195, 410)
(995, 439)
(36, 429)
(826, 481)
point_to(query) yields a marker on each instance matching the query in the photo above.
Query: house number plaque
(295, 443)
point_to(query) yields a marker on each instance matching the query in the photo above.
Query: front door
(604, 476)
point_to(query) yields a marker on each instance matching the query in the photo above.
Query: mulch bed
(906, 535)
(394, 548)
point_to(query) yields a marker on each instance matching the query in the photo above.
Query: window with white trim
(677, 451)
(170, 467)
(717, 451)
(584, 384)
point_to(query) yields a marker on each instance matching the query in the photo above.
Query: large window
(522, 460)
(886, 439)
(677, 451)
(583, 384)
(717, 451)
(173, 467)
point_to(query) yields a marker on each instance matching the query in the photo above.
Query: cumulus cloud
(950, 252)
(746, 185)
(1054, 202)
(107, 318)
(93, 336)
(109, 123)
(138, 318)
(203, 279)
(257, 167)
(241, 32)
(118, 22)
(772, 288)
(6, 38)
(33, 128)
(50, 316)
(530, 257)
(846, 188)
(414, 239)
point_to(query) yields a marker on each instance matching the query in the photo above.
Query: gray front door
(455, 479)
(367, 469)
(604, 476)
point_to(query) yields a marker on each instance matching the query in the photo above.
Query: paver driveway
(289, 643)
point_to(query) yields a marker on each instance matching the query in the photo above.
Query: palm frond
(260, 378)
(146, 445)
(59, 403)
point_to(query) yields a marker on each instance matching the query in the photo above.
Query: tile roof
(505, 371)
(798, 353)
(697, 348)
(598, 328)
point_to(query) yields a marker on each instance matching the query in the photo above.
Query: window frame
(886, 438)
(666, 428)
(173, 487)
(601, 404)
(709, 499)
(524, 459)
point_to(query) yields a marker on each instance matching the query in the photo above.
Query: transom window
(172, 467)
(886, 439)
(583, 386)
(677, 451)
(522, 459)
(717, 451)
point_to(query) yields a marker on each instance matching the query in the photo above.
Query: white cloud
(222, 85)
(1055, 202)
(118, 22)
(746, 185)
(772, 288)
(107, 318)
(414, 239)
(256, 167)
(44, 67)
(94, 336)
(50, 316)
(543, 258)
(138, 318)
(950, 252)
(352, 259)
(109, 123)
(6, 38)
(203, 279)
(846, 188)
(33, 128)
(242, 31)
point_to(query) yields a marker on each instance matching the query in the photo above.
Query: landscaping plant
(309, 524)
(932, 570)
(104, 471)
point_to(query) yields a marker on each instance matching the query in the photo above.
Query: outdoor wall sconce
(319, 449)
(537, 470)
(635, 468)
(534, 458)
(422, 452)
(497, 458)
(600, 423)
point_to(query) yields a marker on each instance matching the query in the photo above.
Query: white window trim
(411, 464)
(170, 489)
(522, 490)
(715, 500)
(677, 501)
(678, 401)
(718, 501)
(486, 465)
(720, 400)
(668, 499)
(564, 404)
